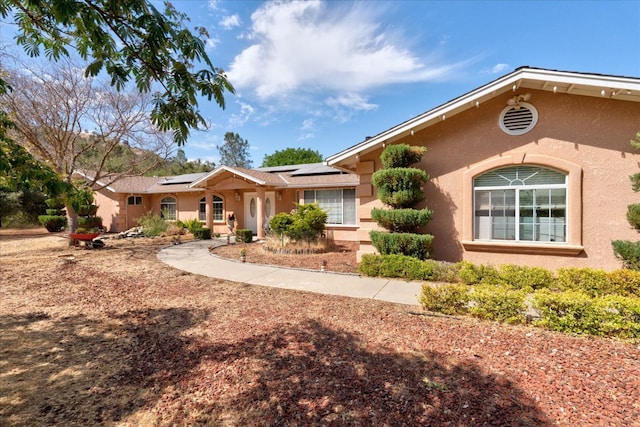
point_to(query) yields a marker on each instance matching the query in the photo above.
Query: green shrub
(244, 235)
(52, 211)
(53, 223)
(280, 224)
(622, 316)
(447, 299)
(591, 281)
(401, 155)
(400, 187)
(472, 274)
(54, 203)
(415, 245)
(401, 220)
(624, 282)
(153, 225)
(569, 311)
(442, 271)
(202, 233)
(89, 222)
(192, 225)
(308, 223)
(526, 278)
(633, 215)
(628, 252)
(498, 303)
(394, 266)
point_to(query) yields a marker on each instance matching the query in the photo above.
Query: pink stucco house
(532, 169)
(252, 196)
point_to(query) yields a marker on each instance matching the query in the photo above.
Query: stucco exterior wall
(108, 209)
(587, 133)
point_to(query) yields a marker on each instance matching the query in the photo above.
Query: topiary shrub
(628, 252)
(447, 299)
(400, 187)
(590, 281)
(500, 303)
(90, 222)
(409, 244)
(244, 235)
(633, 215)
(202, 233)
(401, 156)
(53, 223)
(401, 220)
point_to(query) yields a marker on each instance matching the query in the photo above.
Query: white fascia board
(100, 183)
(483, 93)
(229, 169)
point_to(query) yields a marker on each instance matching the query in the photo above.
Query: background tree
(292, 156)
(234, 151)
(179, 164)
(50, 107)
(129, 41)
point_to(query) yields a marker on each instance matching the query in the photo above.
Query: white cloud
(313, 46)
(308, 124)
(497, 69)
(213, 4)
(246, 112)
(228, 22)
(306, 136)
(351, 101)
(211, 43)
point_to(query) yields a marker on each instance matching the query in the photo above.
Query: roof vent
(518, 119)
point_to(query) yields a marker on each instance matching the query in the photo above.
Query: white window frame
(342, 212)
(165, 206)
(218, 201)
(517, 188)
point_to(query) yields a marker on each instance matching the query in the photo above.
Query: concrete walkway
(195, 258)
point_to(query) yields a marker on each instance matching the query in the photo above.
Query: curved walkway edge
(194, 257)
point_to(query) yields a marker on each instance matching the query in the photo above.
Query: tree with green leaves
(234, 151)
(130, 41)
(292, 156)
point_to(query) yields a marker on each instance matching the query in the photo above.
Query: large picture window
(168, 208)
(340, 204)
(521, 203)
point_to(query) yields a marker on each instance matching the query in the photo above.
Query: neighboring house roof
(585, 84)
(292, 176)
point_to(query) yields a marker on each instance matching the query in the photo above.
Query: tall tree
(50, 107)
(292, 156)
(129, 40)
(234, 151)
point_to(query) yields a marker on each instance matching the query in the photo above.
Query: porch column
(208, 209)
(260, 199)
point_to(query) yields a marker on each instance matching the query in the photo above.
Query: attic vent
(518, 119)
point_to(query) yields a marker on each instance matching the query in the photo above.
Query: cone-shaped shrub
(400, 187)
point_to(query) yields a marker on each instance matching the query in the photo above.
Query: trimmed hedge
(89, 222)
(244, 235)
(447, 299)
(202, 233)
(410, 244)
(407, 267)
(53, 223)
(591, 281)
(499, 303)
(624, 282)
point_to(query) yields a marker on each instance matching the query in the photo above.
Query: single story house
(531, 169)
(251, 196)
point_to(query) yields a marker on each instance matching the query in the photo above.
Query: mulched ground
(113, 336)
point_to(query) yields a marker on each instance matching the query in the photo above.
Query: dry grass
(115, 337)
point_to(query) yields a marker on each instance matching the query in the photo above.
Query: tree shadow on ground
(314, 375)
(81, 371)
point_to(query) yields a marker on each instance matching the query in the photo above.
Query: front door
(251, 211)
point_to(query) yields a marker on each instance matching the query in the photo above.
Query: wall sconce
(516, 100)
(278, 195)
(237, 195)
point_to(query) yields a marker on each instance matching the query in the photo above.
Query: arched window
(168, 208)
(520, 203)
(218, 208)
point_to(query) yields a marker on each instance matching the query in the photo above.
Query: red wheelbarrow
(89, 240)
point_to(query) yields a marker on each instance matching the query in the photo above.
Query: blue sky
(326, 74)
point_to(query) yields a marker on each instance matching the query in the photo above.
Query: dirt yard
(113, 336)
